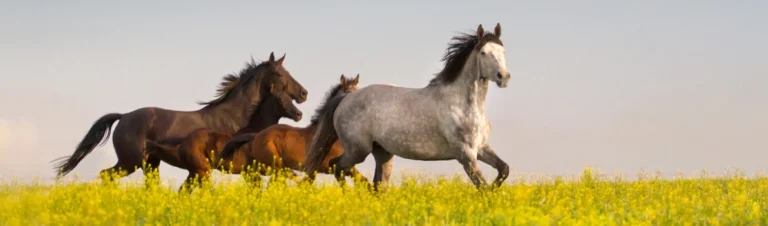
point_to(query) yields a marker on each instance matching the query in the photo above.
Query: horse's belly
(424, 151)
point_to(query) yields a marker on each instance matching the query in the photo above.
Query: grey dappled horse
(443, 121)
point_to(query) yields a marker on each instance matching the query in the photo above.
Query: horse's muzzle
(298, 116)
(502, 84)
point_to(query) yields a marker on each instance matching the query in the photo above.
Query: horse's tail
(96, 136)
(229, 149)
(324, 137)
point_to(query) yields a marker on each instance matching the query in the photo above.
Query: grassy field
(584, 200)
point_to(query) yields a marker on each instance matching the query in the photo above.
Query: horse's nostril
(498, 75)
(299, 114)
(304, 93)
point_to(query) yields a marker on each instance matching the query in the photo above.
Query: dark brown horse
(279, 146)
(268, 113)
(229, 112)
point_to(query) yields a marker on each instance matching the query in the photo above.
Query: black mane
(231, 82)
(457, 53)
(330, 94)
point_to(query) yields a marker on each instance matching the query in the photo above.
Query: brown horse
(268, 113)
(279, 146)
(227, 113)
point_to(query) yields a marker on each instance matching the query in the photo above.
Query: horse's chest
(465, 126)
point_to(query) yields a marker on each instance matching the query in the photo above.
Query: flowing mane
(231, 82)
(457, 53)
(330, 94)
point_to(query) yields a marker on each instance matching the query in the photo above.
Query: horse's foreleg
(488, 156)
(473, 170)
(358, 177)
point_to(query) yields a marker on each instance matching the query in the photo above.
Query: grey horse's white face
(492, 63)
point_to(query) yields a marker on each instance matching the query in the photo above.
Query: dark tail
(228, 152)
(96, 136)
(324, 137)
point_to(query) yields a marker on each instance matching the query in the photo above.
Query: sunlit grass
(417, 200)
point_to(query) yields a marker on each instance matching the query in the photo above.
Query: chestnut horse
(227, 113)
(268, 113)
(279, 146)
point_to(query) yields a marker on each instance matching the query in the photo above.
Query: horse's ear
(280, 61)
(480, 31)
(356, 80)
(497, 30)
(272, 57)
(343, 80)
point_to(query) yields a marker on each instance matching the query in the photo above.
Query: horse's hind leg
(488, 156)
(355, 154)
(118, 171)
(127, 162)
(383, 167)
(151, 165)
(129, 146)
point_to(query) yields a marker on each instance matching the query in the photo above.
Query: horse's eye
(482, 53)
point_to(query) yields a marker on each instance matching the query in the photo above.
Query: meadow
(587, 199)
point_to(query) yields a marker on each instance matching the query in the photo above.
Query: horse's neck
(234, 113)
(265, 115)
(467, 91)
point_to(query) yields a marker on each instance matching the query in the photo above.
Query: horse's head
(344, 87)
(277, 74)
(349, 85)
(285, 106)
(490, 56)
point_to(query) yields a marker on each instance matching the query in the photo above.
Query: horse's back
(139, 120)
(158, 123)
(376, 98)
(382, 103)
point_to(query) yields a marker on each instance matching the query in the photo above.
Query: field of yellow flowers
(419, 200)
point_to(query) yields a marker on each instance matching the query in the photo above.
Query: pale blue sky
(623, 86)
